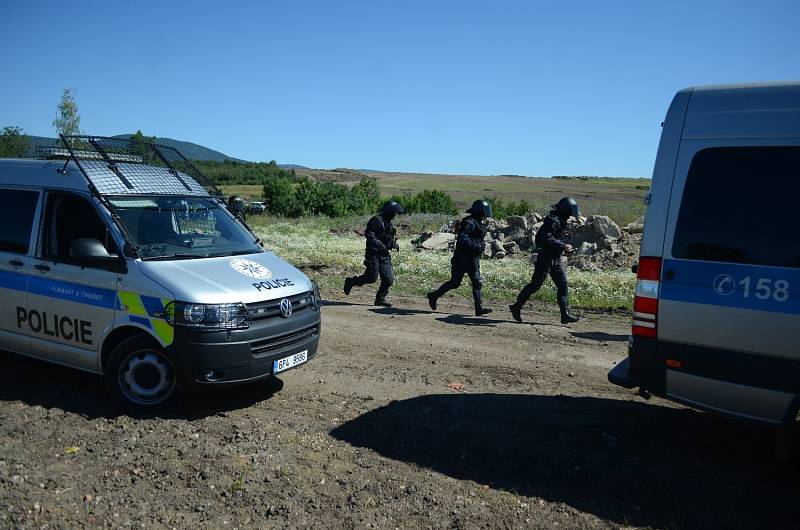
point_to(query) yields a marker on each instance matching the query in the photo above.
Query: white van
(716, 321)
(115, 259)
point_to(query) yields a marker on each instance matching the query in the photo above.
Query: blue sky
(534, 88)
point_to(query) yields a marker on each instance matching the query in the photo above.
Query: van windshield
(182, 228)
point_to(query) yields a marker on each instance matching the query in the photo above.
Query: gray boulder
(493, 225)
(438, 241)
(517, 221)
(604, 225)
(635, 228)
(528, 242)
(596, 230)
(514, 233)
(511, 247)
(605, 243)
(534, 218)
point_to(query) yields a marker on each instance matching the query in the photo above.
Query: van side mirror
(635, 268)
(91, 252)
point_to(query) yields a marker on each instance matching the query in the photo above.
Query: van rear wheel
(140, 377)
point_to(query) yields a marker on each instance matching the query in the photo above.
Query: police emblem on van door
(251, 268)
(286, 308)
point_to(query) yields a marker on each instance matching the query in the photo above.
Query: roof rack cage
(124, 166)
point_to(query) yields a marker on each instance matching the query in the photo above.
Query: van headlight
(316, 298)
(208, 316)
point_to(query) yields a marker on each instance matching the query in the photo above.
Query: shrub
(428, 201)
(279, 195)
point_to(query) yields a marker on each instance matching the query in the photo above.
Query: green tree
(139, 147)
(13, 143)
(279, 195)
(434, 201)
(138, 136)
(365, 196)
(68, 121)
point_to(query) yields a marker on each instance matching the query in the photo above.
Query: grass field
(619, 198)
(328, 250)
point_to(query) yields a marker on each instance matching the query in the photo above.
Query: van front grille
(264, 347)
(272, 308)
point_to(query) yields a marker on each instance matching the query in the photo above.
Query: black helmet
(392, 208)
(567, 207)
(480, 209)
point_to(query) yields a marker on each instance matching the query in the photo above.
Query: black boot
(432, 300)
(348, 286)
(382, 302)
(480, 311)
(567, 317)
(516, 312)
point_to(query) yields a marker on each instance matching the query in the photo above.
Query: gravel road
(406, 419)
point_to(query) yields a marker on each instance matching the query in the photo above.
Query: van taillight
(645, 299)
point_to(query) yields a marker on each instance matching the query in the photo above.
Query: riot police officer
(466, 258)
(381, 238)
(236, 207)
(551, 247)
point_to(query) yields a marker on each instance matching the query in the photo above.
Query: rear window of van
(740, 205)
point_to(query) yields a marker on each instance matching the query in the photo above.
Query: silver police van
(120, 258)
(716, 322)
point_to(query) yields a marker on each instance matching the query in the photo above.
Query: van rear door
(730, 285)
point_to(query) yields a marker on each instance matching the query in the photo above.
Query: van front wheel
(140, 377)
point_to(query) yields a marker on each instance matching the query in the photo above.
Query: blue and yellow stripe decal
(148, 312)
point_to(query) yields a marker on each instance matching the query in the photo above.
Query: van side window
(17, 210)
(738, 206)
(68, 218)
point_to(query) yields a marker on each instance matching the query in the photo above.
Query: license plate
(279, 365)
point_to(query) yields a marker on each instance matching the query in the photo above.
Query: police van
(119, 258)
(716, 322)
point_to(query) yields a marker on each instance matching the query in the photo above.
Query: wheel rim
(146, 377)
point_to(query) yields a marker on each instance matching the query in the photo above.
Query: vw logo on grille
(286, 308)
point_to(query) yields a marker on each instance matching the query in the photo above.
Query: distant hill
(190, 150)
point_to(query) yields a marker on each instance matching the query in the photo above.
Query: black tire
(141, 378)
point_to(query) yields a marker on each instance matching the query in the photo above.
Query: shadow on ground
(629, 462)
(399, 311)
(51, 386)
(600, 336)
(471, 321)
(326, 303)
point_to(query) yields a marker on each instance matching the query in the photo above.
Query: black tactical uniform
(466, 258)
(551, 245)
(381, 238)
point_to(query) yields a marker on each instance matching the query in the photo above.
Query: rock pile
(599, 242)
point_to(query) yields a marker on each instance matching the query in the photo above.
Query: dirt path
(368, 435)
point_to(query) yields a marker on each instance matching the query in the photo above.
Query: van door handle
(43, 268)
(669, 275)
(16, 263)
